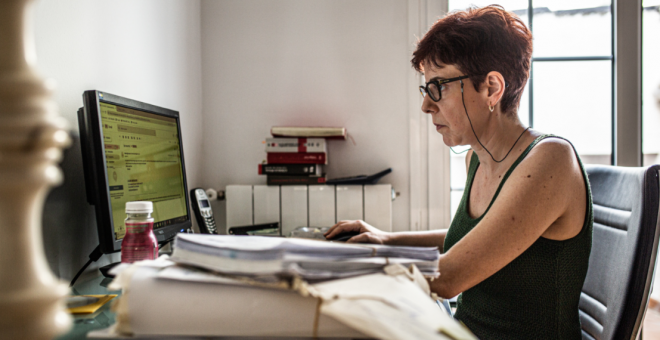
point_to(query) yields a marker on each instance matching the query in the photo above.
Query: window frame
(530, 89)
(626, 59)
(627, 51)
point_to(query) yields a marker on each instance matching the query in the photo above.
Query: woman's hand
(368, 233)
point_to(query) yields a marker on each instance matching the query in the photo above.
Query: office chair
(625, 243)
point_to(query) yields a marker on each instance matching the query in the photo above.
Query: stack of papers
(391, 305)
(310, 259)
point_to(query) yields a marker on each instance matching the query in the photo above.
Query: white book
(308, 131)
(310, 259)
(310, 269)
(263, 247)
(226, 264)
(300, 145)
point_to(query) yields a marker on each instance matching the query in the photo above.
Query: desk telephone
(203, 211)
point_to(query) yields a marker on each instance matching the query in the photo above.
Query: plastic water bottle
(139, 241)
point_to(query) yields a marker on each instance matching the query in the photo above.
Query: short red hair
(478, 41)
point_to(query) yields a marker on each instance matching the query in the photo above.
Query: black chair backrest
(625, 240)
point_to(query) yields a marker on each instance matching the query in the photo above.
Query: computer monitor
(132, 151)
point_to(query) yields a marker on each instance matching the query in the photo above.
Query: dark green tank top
(536, 295)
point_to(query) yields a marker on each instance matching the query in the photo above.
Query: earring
(491, 108)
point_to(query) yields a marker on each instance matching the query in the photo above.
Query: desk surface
(102, 318)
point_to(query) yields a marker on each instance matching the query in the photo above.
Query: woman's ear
(496, 85)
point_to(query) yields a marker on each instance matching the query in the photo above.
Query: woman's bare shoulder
(553, 151)
(554, 157)
(543, 188)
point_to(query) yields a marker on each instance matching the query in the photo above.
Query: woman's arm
(431, 238)
(369, 234)
(538, 193)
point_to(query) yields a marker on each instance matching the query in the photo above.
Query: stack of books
(297, 155)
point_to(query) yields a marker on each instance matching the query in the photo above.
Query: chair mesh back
(616, 288)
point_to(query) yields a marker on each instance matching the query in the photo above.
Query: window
(651, 93)
(650, 82)
(570, 89)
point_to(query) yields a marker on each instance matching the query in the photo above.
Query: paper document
(384, 306)
(255, 247)
(199, 306)
(310, 259)
(387, 307)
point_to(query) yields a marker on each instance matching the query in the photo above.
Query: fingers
(333, 230)
(367, 237)
(341, 227)
(362, 238)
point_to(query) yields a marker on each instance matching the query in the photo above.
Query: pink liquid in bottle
(139, 243)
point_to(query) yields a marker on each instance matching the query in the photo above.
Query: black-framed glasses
(433, 87)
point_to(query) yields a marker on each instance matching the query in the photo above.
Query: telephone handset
(203, 211)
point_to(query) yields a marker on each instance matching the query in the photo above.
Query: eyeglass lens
(433, 91)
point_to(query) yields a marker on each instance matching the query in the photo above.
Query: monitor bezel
(96, 175)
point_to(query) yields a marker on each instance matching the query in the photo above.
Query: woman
(518, 247)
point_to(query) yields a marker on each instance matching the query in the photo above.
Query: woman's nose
(428, 105)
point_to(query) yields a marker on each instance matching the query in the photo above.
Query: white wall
(307, 63)
(147, 50)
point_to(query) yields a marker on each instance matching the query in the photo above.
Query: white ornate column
(32, 136)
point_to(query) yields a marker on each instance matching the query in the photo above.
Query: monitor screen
(132, 152)
(143, 163)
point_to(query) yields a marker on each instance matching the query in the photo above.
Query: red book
(294, 180)
(297, 158)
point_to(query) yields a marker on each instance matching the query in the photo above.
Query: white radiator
(296, 206)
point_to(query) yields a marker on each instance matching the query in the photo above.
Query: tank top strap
(522, 157)
(472, 170)
(474, 164)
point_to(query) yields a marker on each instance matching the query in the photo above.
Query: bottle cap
(139, 207)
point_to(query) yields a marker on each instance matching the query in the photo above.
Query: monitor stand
(105, 270)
